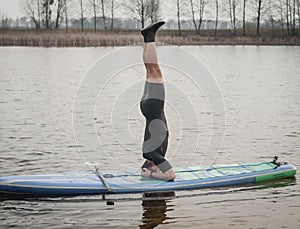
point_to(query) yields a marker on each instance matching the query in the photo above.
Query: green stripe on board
(189, 176)
(274, 176)
(262, 166)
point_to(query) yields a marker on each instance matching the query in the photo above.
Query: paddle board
(89, 183)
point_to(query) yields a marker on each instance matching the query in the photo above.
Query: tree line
(50, 14)
(53, 14)
(283, 12)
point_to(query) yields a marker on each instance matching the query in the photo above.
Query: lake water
(62, 107)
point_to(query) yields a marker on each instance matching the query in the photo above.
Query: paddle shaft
(109, 190)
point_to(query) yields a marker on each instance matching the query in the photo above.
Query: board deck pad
(88, 183)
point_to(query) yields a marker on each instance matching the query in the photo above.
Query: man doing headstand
(152, 106)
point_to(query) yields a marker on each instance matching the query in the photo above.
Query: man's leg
(149, 52)
(153, 72)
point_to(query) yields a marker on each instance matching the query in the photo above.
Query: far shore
(76, 38)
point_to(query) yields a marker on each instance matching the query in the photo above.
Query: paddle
(101, 177)
(108, 189)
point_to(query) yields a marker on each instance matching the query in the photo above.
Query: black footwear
(149, 32)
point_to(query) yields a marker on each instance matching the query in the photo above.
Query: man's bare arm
(168, 175)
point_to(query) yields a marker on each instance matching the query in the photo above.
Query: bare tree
(47, 12)
(278, 8)
(200, 9)
(38, 5)
(4, 22)
(290, 6)
(103, 14)
(112, 10)
(201, 13)
(41, 11)
(66, 11)
(258, 17)
(153, 10)
(32, 9)
(193, 15)
(261, 9)
(114, 6)
(93, 5)
(281, 15)
(217, 16)
(298, 6)
(23, 21)
(81, 16)
(234, 6)
(294, 17)
(287, 5)
(178, 16)
(232, 13)
(139, 9)
(244, 17)
(76, 10)
(59, 8)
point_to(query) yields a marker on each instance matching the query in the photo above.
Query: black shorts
(156, 132)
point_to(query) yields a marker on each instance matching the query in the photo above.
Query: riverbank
(75, 38)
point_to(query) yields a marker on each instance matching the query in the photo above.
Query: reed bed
(65, 39)
(75, 38)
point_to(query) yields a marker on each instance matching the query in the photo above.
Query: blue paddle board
(89, 183)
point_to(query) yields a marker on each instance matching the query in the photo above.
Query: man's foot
(149, 32)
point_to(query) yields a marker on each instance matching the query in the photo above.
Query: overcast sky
(12, 8)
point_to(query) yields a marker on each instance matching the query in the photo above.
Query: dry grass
(198, 40)
(64, 39)
(75, 38)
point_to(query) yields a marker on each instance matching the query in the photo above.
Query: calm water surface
(259, 89)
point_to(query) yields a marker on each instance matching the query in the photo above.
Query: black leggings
(156, 132)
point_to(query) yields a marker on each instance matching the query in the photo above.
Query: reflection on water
(277, 183)
(155, 209)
